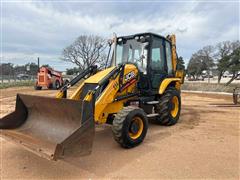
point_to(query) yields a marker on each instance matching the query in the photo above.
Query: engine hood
(96, 78)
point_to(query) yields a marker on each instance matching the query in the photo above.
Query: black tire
(66, 81)
(56, 84)
(236, 98)
(50, 86)
(168, 115)
(37, 87)
(124, 124)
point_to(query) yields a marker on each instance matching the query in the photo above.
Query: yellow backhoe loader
(140, 82)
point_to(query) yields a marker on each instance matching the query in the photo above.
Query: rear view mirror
(110, 41)
(142, 39)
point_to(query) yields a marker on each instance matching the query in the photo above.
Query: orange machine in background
(49, 78)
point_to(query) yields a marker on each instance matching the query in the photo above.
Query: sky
(31, 29)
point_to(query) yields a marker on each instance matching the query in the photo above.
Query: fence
(14, 78)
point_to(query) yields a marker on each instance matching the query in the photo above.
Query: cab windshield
(133, 51)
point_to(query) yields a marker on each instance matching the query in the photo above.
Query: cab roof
(143, 34)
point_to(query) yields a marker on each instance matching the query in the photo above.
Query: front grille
(41, 78)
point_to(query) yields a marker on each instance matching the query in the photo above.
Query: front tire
(169, 107)
(130, 126)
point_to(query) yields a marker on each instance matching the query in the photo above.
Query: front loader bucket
(49, 127)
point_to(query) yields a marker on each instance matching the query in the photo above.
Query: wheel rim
(175, 106)
(135, 128)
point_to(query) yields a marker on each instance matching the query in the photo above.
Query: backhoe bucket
(49, 127)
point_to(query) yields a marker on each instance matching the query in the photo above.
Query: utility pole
(38, 59)
(38, 63)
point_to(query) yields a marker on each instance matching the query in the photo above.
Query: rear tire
(37, 87)
(130, 126)
(169, 107)
(56, 84)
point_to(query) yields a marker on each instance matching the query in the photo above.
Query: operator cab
(152, 55)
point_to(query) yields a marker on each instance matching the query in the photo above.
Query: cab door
(168, 51)
(158, 67)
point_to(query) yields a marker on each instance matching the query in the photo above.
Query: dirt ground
(204, 144)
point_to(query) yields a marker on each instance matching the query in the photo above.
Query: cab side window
(157, 55)
(119, 54)
(169, 57)
(158, 62)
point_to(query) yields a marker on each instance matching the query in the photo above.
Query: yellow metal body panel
(96, 78)
(59, 95)
(77, 93)
(180, 74)
(178, 85)
(89, 96)
(174, 51)
(128, 69)
(166, 82)
(105, 104)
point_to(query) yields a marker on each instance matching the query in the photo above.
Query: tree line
(222, 57)
(8, 69)
(88, 50)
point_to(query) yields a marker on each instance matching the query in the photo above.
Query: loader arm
(111, 90)
(117, 91)
(63, 92)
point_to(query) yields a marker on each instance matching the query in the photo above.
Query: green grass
(16, 84)
(214, 87)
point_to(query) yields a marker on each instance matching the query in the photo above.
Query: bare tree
(86, 51)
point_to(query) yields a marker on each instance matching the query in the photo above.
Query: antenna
(38, 63)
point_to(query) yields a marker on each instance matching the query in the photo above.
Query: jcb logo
(129, 76)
